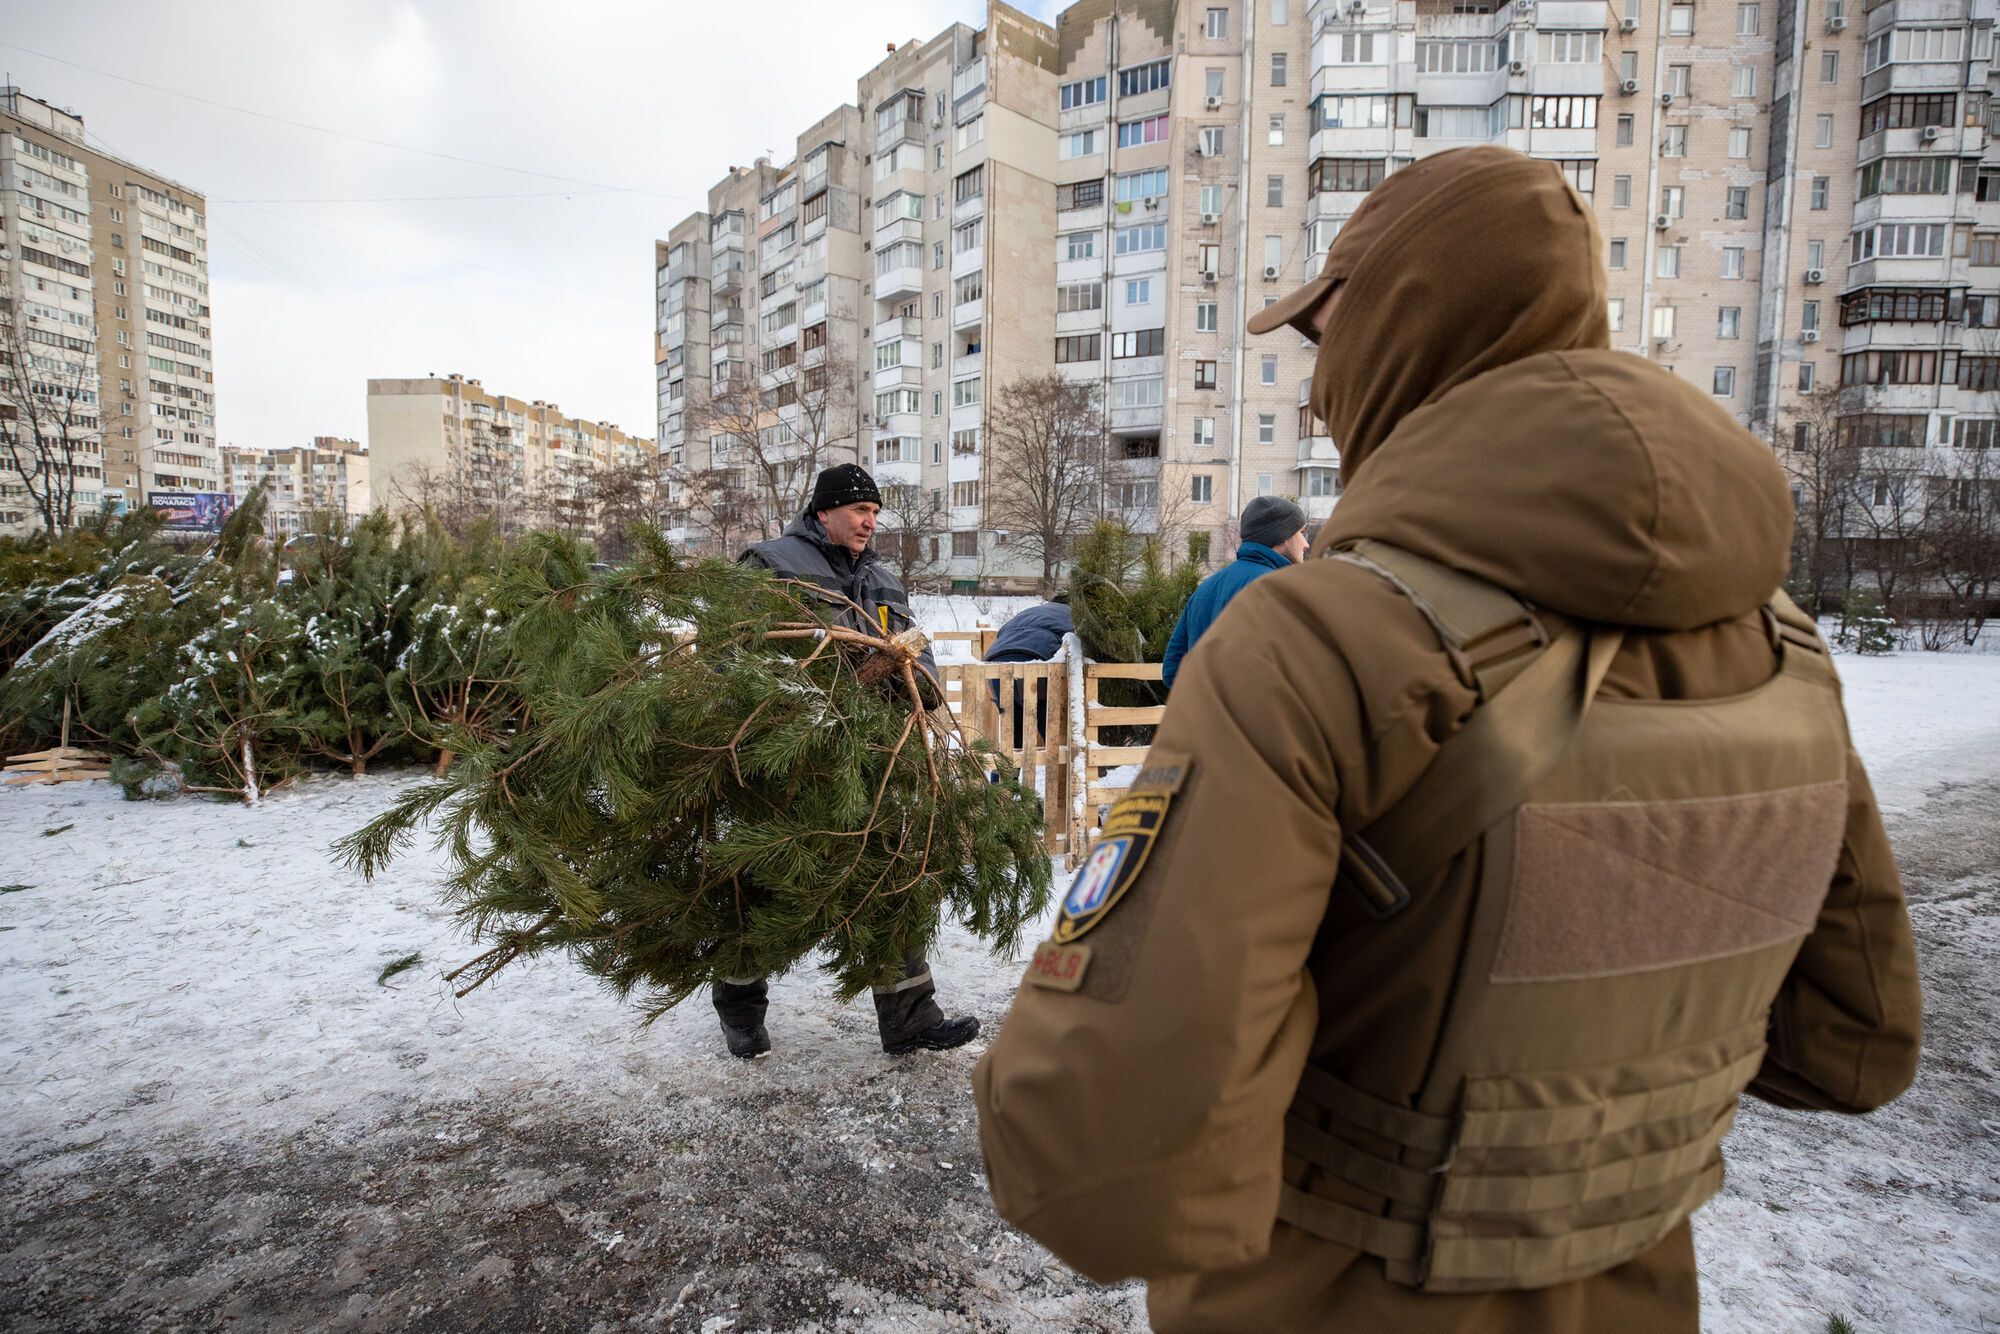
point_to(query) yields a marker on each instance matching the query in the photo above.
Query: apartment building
(446, 440)
(329, 476)
(106, 264)
(1794, 196)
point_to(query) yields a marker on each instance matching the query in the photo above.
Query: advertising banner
(192, 511)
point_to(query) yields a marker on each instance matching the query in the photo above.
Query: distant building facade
(329, 476)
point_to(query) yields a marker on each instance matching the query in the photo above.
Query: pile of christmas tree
(707, 780)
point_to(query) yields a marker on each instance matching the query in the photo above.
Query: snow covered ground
(210, 1112)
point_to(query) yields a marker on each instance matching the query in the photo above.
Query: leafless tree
(914, 525)
(719, 506)
(51, 434)
(1822, 462)
(621, 495)
(1959, 546)
(779, 437)
(1046, 456)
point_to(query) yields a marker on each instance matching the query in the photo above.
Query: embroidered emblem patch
(1130, 831)
(1059, 967)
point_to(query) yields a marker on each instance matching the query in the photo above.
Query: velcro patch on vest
(1130, 831)
(1059, 967)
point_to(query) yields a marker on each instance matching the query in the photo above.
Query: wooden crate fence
(1023, 709)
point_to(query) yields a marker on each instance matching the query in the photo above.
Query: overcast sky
(332, 260)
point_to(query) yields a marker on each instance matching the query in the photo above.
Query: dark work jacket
(805, 554)
(1252, 560)
(1035, 635)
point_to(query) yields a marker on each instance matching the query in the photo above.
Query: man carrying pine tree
(828, 546)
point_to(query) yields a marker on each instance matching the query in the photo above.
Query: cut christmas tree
(709, 780)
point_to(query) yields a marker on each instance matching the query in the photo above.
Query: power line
(340, 134)
(406, 199)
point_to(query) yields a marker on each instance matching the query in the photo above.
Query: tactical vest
(1646, 873)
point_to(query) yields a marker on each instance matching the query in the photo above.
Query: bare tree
(719, 506)
(1822, 462)
(1046, 457)
(621, 495)
(1959, 546)
(914, 524)
(50, 431)
(780, 437)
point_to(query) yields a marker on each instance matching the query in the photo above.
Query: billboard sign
(192, 511)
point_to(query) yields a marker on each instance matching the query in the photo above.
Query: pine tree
(1125, 604)
(708, 781)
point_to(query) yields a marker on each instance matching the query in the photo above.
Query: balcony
(968, 261)
(965, 210)
(903, 281)
(1318, 450)
(898, 328)
(908, 375)
(969, 364)
(727, 278)
(1137, 421)
(968, 80)
(899, 229)
(968, 315)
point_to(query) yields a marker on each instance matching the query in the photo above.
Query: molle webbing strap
(1536, 1127)
(1392, 1239)
(1488, 633)
(1413, 1186)
(1535, 1193)
(1377, 1116)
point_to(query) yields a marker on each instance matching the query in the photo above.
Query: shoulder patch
(1130, 831)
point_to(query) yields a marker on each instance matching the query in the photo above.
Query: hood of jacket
(1593, 483)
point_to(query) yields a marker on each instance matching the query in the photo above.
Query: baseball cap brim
(1300, 309)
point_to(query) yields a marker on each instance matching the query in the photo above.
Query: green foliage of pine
(707, 781)
(1864, 626)
(1125, 603)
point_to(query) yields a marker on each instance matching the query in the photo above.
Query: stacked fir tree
(709, 780)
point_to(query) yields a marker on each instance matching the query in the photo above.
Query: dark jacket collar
(810, 528)
(1258, 554)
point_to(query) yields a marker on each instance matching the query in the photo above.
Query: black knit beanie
(842, 485)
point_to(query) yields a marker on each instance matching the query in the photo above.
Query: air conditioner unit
(1208, 275)
(1662, 222)
(1931, 133)
(1210, 219)
(1270, 271)
(1838, 23)
(1809, 336)
(1213, 101)
(1357, 6)
(1628, 24)
(1628, 87)
(1152, 201)
(1517, 67)
(1666, 99)
(1814, 277)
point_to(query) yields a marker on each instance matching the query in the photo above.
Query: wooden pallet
(64, 764)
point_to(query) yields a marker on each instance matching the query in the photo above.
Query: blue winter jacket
(1253, 559)
(1034, 635)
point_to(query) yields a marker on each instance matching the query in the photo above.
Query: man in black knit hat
(827, 546)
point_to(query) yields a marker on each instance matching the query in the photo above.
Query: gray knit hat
(1270, 520)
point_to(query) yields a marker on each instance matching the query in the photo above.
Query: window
(1725, 381)
(1458, 122)
(1212, 83)
(1139, 343)
(1891, 366)
(1137, 185)
(1912, 176)
(1669, 262)
(1211, 142)
(1628, 65)
(1678, 77)
(1204, 375)
(1086, 92)
(1144, 78)
(1624, 131)
(1562, 113)
(937, 254)
(1616, 314)
(1975, 433)
(964, 544)
(1358, 48)
(1204, 317)
(1208, 258)
(1201, 488)
(1673, 200)
(1823, 131)
(1986, 249)
(1278, 71)
(1617, 259)
(937, 356)
(1680, 20)
(1267, 428)
(1204, 432)
(1218, 24)
(1138, 291)
(1806, 378)
(897, 449)
(1732, 261)
(1350, 113)
(1458, 57)
(1274, 252)
(965, 393)
(1873, 305)
(1729, 322)
(1809, 315)
(1736, 203)
(1663, 321)
(969, 288)
(1079, 245)
(1739, 141)
(1082, 194)
(1079, 347)
(1145, 393)
(1349, 175)
(1277, 130)
(1151, 130)
(1898, 240)
(1274, 192)
(969, 237)
(964, 494)
(1820, 185)
(1572, 48)
(1903, 111)
(1829, 67)
(1211, 200)
(1267, 370)
(1621, 192)
(970, 133)
(1320, 483)
(1743, 81)
(1676, 142)
(969, 185)
(1815, 254)
(1746, 20)
(1147, 236)
(1079, 296)
(1081, 144)
(1280, 12)
(965, 443)
(1581, 173)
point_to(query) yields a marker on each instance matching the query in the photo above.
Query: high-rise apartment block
(104, 283)
(329, 476)
(1794, 195)
(447, 440)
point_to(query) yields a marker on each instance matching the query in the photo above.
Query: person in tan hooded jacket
(1491, 1107)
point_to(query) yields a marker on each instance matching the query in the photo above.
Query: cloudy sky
(556, 143)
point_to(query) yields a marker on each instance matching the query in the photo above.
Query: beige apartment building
(1794, 195)
(329, 476)
(110, 261)
(445, 439)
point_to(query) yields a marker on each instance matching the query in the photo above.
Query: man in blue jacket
(1035, 635)
(1274, 536)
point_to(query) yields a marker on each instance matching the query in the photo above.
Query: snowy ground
(211, 1113)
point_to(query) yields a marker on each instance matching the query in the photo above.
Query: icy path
(209, 1110)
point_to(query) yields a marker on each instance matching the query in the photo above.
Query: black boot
(740, 1005)
(908, 1016)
